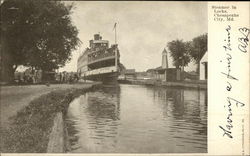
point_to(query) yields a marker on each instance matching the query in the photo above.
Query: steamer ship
(99, 62)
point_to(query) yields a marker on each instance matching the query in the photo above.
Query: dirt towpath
(14, 98)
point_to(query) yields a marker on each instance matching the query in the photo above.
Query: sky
(143, 28)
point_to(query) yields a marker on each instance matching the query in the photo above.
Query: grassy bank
(30, 129)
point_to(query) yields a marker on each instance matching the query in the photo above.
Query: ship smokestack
(97, 37)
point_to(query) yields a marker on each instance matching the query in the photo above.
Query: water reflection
(128, 119)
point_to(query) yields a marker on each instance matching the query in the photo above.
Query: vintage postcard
(124, 78)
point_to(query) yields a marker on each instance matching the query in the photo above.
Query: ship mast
(116, 59)
(115, 33)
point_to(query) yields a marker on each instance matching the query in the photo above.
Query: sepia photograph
(104, 77)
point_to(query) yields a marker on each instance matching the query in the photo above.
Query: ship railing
(101, 71)
(100, 55)
(97, 49)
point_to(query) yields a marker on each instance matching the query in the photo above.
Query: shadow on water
(139, 119)
(101, 110)
(104, 103)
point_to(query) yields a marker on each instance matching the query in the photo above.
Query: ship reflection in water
(139, 119)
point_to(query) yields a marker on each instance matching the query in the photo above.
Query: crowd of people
(28, 76)
(66, 77)
(37, 76)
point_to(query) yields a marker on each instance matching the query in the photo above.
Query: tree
(178, 51)
(121, 67)
(35, 33)
(197, 49)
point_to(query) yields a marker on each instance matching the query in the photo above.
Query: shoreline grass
(30, 129)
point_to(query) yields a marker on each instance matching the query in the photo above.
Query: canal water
(138, 119)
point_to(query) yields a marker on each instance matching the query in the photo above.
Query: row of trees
(185, 52)
(38, 34)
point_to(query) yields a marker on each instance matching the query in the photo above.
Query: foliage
(198, 47)
(37, 33)
(179, 53)
(121, 67)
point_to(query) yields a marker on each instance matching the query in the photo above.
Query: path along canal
(138, 119)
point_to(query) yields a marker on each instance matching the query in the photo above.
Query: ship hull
(105, 78)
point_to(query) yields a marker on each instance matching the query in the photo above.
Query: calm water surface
(138, 119)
